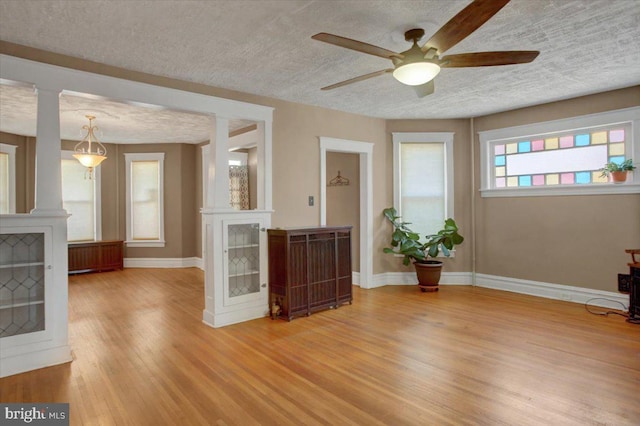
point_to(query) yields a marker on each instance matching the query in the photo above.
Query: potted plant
(406, 242)
(618, 172)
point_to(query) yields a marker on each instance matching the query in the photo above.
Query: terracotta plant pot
(428, 275)
(618, 177)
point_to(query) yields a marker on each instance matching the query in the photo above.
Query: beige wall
(571, 240)
(179, 199)
(343, 202)
(564, 240)
(180, 205)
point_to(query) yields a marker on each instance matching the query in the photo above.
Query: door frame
(365, 153)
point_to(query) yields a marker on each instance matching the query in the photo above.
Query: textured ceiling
(265, 48)
(117, 122)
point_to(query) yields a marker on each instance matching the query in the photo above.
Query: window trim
(97, 196)
(151, 156)
(10, 150)
(621, 116)
(445, 138)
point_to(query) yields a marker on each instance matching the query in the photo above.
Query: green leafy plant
(611, 167)
(406, 242)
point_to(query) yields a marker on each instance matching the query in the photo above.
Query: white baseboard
(148, 262)
(233, 317)
(601, 298)
(534, 288)
(405, 278)
(23, 362)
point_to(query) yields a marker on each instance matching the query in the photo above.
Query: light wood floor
(396, 356)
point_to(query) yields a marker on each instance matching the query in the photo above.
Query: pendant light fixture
(90, 152)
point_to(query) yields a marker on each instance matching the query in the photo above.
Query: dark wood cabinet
(95, 256)
(309, 269)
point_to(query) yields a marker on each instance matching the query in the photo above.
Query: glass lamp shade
(90, 160)
(416, 73)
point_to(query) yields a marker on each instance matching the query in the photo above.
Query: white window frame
(445, 138)
(10, 150)
(152, 156)
(623, 116)
(97, 196)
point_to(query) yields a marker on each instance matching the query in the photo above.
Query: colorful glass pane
(524, 146)
(617, 159)
(537, 145)
(551, 143)
(582, 140)
(596, 177)
(538, 180)
(616, 135)
(524, 180)
(583, 177)
(567, 178)
(566, 142)
(616, 149)
(598, 138)
(565, 159)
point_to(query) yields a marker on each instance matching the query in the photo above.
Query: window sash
(79, 200)
(145, 199)
(422, 186)
(5, 189)
(7, 178)
(145, 203)
(423, 179)
(560, 157)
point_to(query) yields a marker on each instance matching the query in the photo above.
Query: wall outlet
(311, 200)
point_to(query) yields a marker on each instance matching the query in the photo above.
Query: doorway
(364, 151)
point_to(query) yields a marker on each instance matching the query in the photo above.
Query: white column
(48, 194)
(264, 136)
(218, 181)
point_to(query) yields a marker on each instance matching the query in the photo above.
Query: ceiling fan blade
(356, 79)
(424, 89)
(354, 45)
(487, 59)
(464, 23)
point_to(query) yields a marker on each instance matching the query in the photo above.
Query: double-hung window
(81, 199)
(423, 179)
(562, 157)
(145, 199)
(7, 178)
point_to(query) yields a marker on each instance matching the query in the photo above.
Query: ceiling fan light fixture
(416, 73)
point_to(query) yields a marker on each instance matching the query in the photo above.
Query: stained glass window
(568, 158)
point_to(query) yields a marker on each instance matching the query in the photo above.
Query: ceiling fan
(419, 65)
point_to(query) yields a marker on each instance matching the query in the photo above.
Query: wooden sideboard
(309, 269)
(95, 256)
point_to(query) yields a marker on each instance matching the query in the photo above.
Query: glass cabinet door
(22, 280)
(243, 262)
